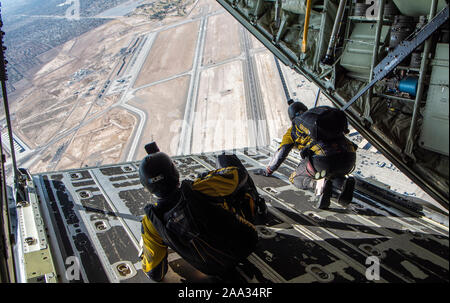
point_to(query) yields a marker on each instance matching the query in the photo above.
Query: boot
(261, 206)
(247, 268)
(346, 195)
(323, 202)
(343, 190)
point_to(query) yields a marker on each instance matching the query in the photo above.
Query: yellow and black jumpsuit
(154, 251)
(224, 236)
(337, 157)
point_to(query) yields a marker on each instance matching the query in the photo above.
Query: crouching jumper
(319, 134)
(208, 221)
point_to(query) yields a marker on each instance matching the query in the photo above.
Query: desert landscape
(184, 80)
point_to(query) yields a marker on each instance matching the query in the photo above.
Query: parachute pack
(207, 227)
(324, 123)
(219, 183)
(228, 186)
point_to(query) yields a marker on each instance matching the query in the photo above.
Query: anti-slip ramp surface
(94, 213)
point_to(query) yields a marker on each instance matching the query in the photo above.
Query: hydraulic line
(306, 26)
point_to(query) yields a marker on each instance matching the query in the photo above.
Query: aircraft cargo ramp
(93, 214)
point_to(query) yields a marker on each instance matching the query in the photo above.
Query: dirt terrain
(272, 91)
(171, 54)
(221, 117)
(222, 39)
(48, 158)
(256, 44)
(100, 142)
(65, 109)
(164, 106)
(65, 90)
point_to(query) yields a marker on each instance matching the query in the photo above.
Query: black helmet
(158, 174)
(295, 109)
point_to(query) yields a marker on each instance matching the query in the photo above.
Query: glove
(263, 172)
(306, 153)
(202, 175)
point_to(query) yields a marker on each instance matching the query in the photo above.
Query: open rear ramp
(93, 215)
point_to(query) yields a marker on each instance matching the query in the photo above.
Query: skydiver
(325, 151)
(208, 221)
